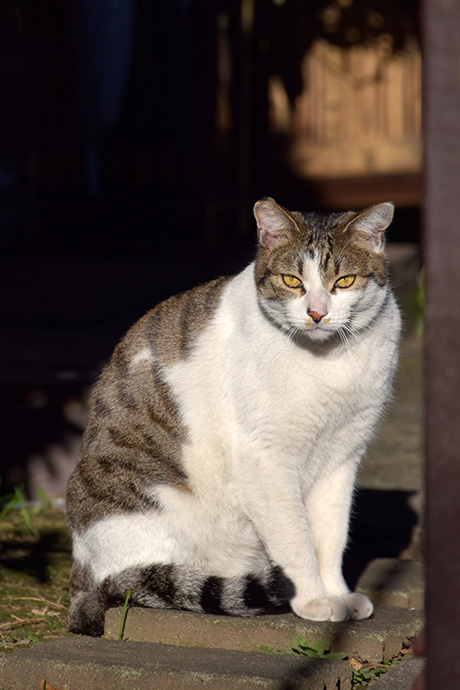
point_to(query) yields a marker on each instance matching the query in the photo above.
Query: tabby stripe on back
(174, 325)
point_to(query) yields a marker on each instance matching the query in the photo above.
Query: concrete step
(401, 676)
(395, 586)
(218, 653)
(394, 582)
(84, 663)
(373, 640)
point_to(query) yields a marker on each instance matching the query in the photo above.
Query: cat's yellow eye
(291, 281)
(345, 281)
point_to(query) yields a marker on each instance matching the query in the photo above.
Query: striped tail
(176, 587)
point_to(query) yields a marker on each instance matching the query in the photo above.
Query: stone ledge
(394, 582)
(401, 677)
(82, 663)
(373, 640)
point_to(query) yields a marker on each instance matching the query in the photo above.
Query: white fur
(276, 432)
(143, 356)
(118, 542)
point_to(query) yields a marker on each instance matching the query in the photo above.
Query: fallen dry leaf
(357, 665)
(44, 685)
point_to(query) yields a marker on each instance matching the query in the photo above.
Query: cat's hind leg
(87, 607)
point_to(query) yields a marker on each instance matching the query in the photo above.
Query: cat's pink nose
(316, 315)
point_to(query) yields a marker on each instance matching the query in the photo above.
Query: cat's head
(321, 275)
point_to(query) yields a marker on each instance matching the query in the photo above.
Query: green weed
(362, 673)
(8, 502)
(24, 510)
(17, 500)
(124, 614)
(318, 649)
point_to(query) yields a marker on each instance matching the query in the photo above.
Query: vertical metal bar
(441, 32)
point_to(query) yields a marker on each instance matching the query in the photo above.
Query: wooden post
(441, 67)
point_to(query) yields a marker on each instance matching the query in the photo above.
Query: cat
(224, 435)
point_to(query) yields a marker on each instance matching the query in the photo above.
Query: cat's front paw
(324, 609)
(353, 606)
(359, 605)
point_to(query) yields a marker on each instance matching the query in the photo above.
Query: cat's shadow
(382, 526)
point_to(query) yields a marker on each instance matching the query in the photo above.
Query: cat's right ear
(274, 224)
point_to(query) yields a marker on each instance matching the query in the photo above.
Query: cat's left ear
(369, 226)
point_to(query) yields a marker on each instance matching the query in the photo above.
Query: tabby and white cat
(225, 433)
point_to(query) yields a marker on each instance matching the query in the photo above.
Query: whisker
(348, 329)
(290, 330)
(343, 338)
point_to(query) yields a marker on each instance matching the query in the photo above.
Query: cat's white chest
(248, 385)
(296, 403)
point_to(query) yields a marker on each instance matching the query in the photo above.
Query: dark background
(118, 189)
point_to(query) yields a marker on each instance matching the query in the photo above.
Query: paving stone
(394, 582)
(401, 677)
(83, 663)
(382, 636)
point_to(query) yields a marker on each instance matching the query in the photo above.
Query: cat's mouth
(318, 331)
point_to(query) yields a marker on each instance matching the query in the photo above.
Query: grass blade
(124, 614)
(24, 510)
